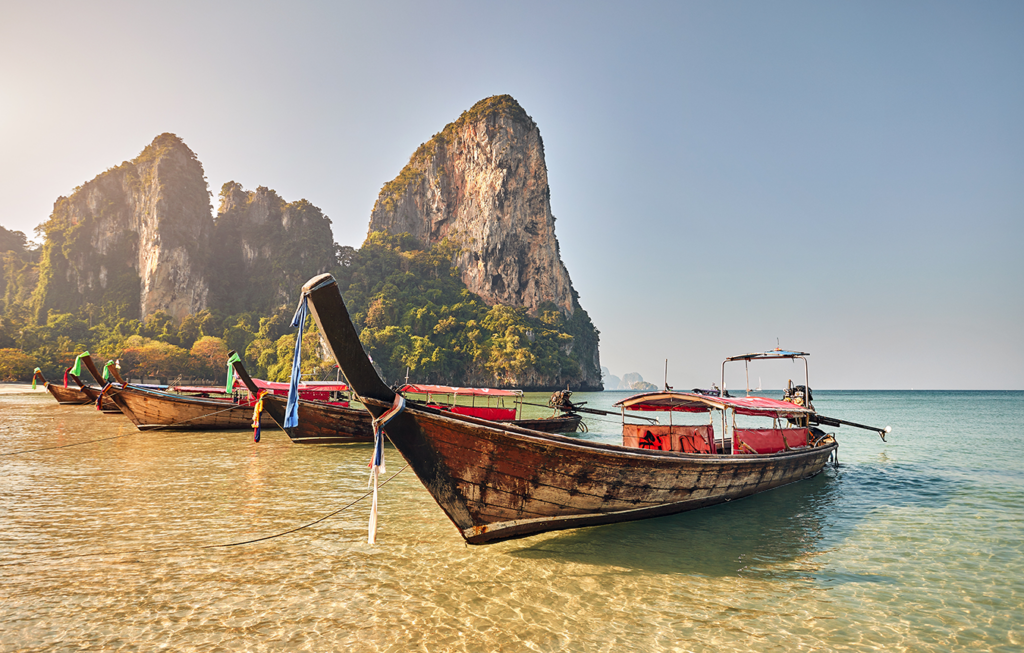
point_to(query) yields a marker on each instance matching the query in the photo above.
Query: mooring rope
(74, 444)
(124, 435)
(218, 412)
(209, 546)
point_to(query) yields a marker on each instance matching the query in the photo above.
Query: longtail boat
(66, 396)
(500, 481)
(95, 394)
(207, 408)
(190, 408)
(324, 416)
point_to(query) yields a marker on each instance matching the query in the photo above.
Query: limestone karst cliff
(482, 182)
(140, 238)
(134, 238)
(266, 249)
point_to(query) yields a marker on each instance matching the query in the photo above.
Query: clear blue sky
(847, 178)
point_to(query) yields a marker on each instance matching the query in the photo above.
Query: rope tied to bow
(99, 399)
(377, 462)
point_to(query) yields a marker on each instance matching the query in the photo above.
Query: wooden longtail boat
(107, 404)
(497, 482)
(64, 396)
(320, 421)
(155, 409)
(201, 408)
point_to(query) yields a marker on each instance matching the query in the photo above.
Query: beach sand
(20, 388)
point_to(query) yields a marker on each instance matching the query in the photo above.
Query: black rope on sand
(215, 546)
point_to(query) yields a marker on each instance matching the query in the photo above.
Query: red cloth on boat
(688, 439)
(768, 440)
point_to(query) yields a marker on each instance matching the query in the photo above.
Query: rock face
(136, 236)
(266, 249)
(483, 182)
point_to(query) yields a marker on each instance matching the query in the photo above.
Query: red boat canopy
(323, 386)
(689, 402)
(462, 392)
(199, 389)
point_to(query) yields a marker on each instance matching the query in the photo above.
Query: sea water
(914, 544)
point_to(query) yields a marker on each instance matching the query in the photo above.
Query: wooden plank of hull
(158, 410)
(67, 396)
(496, 483)
(321, 423)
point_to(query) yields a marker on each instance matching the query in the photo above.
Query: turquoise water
(914, 544)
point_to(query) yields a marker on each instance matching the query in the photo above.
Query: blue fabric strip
(291, 415)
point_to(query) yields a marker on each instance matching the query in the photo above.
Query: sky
(845, 179)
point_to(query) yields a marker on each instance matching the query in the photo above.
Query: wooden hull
(67, 396)
(150, 409)
(497, 482)
(321, 423)
(556, 424)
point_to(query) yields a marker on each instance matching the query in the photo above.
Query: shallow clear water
(915, 544)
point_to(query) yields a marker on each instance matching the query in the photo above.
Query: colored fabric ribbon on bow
(291, 410)
(99, 399)
(77, 369)
(106, 370)
(231, 373)
(377, 462)
(257, 413)
(36, 372)
(66, 376)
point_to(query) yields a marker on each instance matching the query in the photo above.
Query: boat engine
(561, 400)
(798, 394)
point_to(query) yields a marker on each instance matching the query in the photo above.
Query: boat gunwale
(541, 437)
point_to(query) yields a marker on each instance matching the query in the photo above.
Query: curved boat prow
(331, 316)
(243, 374)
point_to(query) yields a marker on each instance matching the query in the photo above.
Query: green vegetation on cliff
(266, 249)
(415, 316)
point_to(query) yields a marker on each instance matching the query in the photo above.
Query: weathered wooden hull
(67, 396)
(150, 409)
(496, 483)
(321, 423)
(556, 424)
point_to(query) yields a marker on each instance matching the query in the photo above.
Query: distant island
(459, 280)
(629, 381)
